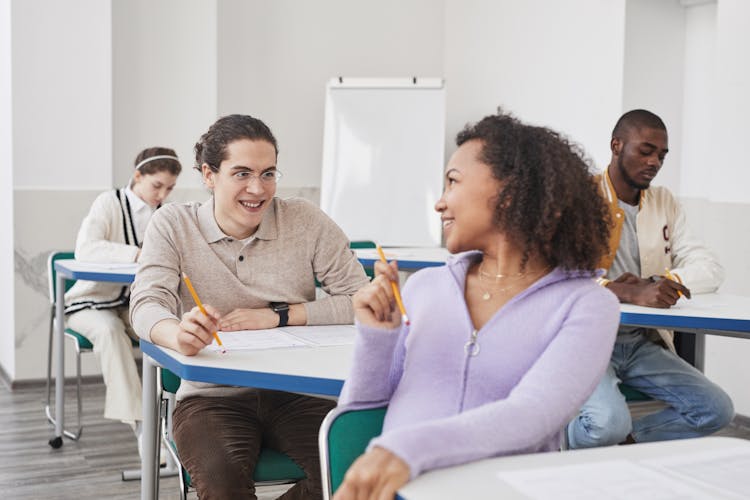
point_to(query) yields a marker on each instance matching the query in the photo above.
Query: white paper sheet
(295, 336)
(726, 470)
(611, 479)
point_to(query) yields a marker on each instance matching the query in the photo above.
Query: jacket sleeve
(539, 406)
(693, 263)
(337, 269)
(97, 240)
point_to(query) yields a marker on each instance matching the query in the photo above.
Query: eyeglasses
(267, 177)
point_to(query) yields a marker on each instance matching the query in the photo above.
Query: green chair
(632, 395)
(80, 343)
(273, 467)
(343, 437)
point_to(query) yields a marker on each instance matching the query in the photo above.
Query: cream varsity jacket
(664, 241)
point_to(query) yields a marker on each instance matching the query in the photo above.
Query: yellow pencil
(670, 276)
(396, 292)
(200, 306)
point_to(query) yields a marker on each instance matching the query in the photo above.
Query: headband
(157, 157)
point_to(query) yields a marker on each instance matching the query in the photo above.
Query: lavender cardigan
(541, 356)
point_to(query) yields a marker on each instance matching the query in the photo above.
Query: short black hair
(635, 119)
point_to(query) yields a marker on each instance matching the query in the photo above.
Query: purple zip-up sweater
(540, 357)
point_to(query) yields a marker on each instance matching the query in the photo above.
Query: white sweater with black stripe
(106, 235)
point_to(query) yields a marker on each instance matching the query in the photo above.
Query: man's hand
(376, 475)
(196, 330)
(662, 293)
(249, 319)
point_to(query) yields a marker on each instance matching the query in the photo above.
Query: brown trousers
(219, 439)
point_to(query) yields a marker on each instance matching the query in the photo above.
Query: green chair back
(348, 436)
(272, 465)
(53, 273)
(632, 395)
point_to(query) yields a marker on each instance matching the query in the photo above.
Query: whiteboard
(383, 159)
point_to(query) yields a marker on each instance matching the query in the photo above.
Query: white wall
(164, 65)
(715, 167)
(7, 297)
(62, 97)
(558, 64)
(276, 57)
(654, 71)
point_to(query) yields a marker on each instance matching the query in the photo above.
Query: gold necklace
(486, 295)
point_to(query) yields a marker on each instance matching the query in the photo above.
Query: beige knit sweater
(295, 243)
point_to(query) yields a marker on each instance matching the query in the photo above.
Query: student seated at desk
(505, 341)
(253, 259)
(112, 232)
(652, 261)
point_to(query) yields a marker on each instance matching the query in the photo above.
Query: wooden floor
(91, 467)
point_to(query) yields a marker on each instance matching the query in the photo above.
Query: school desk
(702, 468)
(310, 370)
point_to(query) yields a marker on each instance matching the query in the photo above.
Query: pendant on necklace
(486, 296)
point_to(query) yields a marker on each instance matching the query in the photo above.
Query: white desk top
(95, 271)
(716, 312)
(310, 370)
(705, 468)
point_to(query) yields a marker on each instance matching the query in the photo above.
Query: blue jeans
(696, 406)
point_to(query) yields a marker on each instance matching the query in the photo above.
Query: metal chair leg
(74, 435)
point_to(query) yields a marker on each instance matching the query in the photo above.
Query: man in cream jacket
(653, 261)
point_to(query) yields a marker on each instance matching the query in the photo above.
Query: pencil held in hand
(396, 292)
(671, 277)
(200, 306)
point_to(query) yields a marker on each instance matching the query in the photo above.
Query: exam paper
(610, 479)
(295, 336)
(726, 470)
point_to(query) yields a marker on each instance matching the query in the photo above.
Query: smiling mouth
(252, 205)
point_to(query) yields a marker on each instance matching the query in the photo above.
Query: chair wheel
(56, 442)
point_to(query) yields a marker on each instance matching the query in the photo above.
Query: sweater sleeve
(539, 406)
(97, 241)
(376, 368)
(154, 296)
(337, 269)
(692, 262)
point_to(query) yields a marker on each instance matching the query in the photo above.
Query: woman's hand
(249, 319)
(376, 475)
(375, 304)
(196, 330)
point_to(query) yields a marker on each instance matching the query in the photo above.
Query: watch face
(279, 306)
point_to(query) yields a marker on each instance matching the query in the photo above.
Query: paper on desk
(299, 336)
(727, 470)
(611, 479)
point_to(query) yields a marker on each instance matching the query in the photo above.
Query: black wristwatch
(282, 309)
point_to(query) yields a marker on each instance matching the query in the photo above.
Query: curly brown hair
(549, 202)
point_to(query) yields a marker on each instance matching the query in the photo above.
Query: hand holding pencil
(207, 316)
(379, 304)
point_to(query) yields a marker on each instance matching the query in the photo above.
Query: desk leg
(57, 439)
(149, 463)
(700, 351)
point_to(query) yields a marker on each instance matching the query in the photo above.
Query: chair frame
(324, 446)
(69, 335)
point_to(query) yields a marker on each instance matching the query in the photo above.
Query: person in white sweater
(112, 232)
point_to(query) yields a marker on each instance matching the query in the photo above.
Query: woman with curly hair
(507, 340)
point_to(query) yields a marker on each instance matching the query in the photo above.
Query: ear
(208, 176)
(615, 145)
(137, 176)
